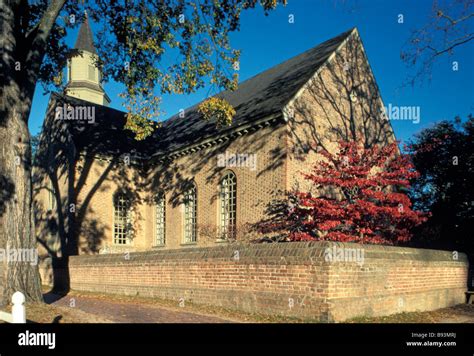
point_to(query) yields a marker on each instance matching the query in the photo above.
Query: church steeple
(84, 77)
(84, 39)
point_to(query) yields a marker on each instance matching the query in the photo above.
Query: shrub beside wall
(323, 281)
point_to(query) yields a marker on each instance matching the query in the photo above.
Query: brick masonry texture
(291, 279)
(283, 150)
(255, 190)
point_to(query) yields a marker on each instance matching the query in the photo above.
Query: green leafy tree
(152, 47)
(444, 157)
(35, 141)
(218, 109)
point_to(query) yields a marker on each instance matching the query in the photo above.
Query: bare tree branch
(451, 47)
(450, 26)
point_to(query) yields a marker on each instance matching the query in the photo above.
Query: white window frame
(160, 219)
(122, 238)
(190, 215)
(228, 206)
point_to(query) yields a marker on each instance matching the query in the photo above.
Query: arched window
(122, 219)
(160, 218)
(190, 215)
(228, 205)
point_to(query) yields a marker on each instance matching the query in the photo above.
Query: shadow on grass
(52, 296)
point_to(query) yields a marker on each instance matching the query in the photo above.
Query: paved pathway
(136, 312)
(130, 312)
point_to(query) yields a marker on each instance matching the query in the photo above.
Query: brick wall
(97, 181)
(292, 279)
(323, 113)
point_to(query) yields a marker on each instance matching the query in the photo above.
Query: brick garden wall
(302, 279)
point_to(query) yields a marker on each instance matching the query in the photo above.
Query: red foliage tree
(359, 198)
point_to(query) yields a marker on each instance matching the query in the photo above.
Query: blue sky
(267, 41)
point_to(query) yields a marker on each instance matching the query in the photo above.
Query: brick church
(98, 190)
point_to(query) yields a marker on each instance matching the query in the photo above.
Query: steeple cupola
(83, 74)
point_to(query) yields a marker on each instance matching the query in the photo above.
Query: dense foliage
(444, 157)
(358, 195)
(217, 109)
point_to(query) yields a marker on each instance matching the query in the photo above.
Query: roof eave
(222, 136)
(205, 143)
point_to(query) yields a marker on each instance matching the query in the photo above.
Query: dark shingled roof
(260, 96)
(256, 98)
(84, 38)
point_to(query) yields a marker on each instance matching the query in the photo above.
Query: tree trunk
(16, 219)
(22, 53)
